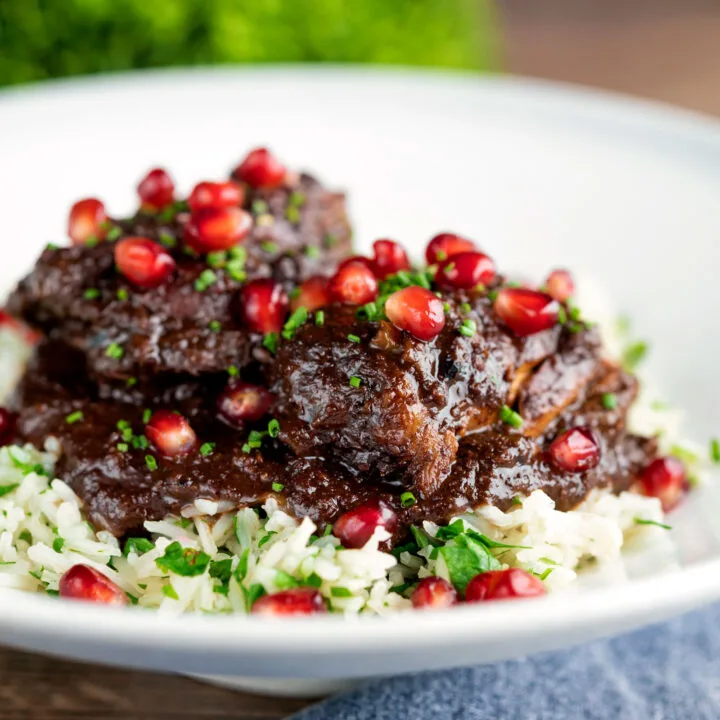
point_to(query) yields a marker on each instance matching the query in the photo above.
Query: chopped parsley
(215, 326)
(715, 450)
(609, 401)
(91, 294)
(340, 592)
(5, 489)
(278, 487)
(633, 355)
(270, 342)
(122, 294)
(183, 561)
(268, 246)
(207, 448)
(355, 381)
(273, 428)
(468, 327)
(407, 499)
(640, 521)
(353, 338)
(320, 318)
(170, 592)
(75, 417)
(295, 321)
(510, 417)
(58, 543)
(206, 279)
(114, 351)
(151, 462)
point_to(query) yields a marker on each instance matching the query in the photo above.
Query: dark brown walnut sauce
(423, 428)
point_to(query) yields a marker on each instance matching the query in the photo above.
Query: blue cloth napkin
(663, 672)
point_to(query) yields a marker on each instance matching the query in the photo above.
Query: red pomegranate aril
(216, 195)
(263, 306)
(465, 271)
(560, 285)
(170, 434)
(218, 228)
(86, 221)
(356, 526)
(261, 169)
(504, 585)
(145, 263)
(7, 426)
(156, 190)
(417, 311)
(82, 582)
(312, 294)
(576, 450)
(353, 284)
(434, 592)
(297, 601)
(389, 258)
(445, 245)
(525, 311)
(665, 478)
(242, 402)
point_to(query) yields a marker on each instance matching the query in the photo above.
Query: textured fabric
(664, 672)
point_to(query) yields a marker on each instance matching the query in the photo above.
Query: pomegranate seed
(353, 284)
(353, 259)
(417, 311)
(465, 270)
(144, 262)
(445, 245)
(7, 426)
(156, 190)
(217, 228)
(560, 285)
(170, 433)
(576, 450)
(434, 592)
(389, 258)
(526, 311)
(356, 526)
(215, 195)
(313, 294)
(86, 221)
(263, 305)
(297, 601)
(261, 169)
(504, 585)
(665, 479)
(241, 402)
(82, 582)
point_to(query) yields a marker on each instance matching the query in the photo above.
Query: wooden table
(663, 49)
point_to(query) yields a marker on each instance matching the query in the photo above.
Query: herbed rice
(216, 561)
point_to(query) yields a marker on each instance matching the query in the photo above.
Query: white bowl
(541, 176)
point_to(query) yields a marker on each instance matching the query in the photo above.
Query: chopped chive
(131, 381)
(127, 434)
(296, 198)
(167, 240)
(170, 592)
(114, 351)
(91, 294)
(468, 327)
(341, 592)
(268, 246)
(122, 425)
(330, 240)
(58, 543)
(492, 295)
(446, 308)
(562, 315)
(217, 259)
(355, 381)
(151, 462)
(320, 318)
(246, 448)
(273, 428)
(294, 293)
(633, 355)
(328, 530)
(715, 450)
(205, 280)
(353, 338)
(92, 241)
(233, 371)
(312, 252)
(259, 207)
(293, 214)
(517, 500)
(147, 414)
(544, 575)
(609, 401)
(122, 447)
(207, 449)
(295, 321)
(235, 270)
(407, 499)
(114, 233)
(640, 521)
(75, 417)
(465, 308)
(278, 487)
(215, 326)
(510, 417)
(270, 342)
(122, 294)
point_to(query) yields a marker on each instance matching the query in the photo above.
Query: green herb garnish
(273, 428)
(510, 417)
(634, 355)
(407, 499)
(295, 321)
(151, 462)
(147, 414)
(715, 450)
(207, 448)
(91, 294)
(170, 592)
(215, 326)
(609, 401)
(640, 521)
(268, 246)
(468, 327)
(122, 447)
(259, 207)
(340, 592)
(205, 280)
(167, 240)
(270, 342)
(183, 561)
(278, 487)
(233, 371)
(312, 252)
(58, 543)
(355, 381)
(75, 417)
(114, 351)
(353, 338)
(122, 294)
(320, 318)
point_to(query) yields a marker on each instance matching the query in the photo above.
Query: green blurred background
(53, 38)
